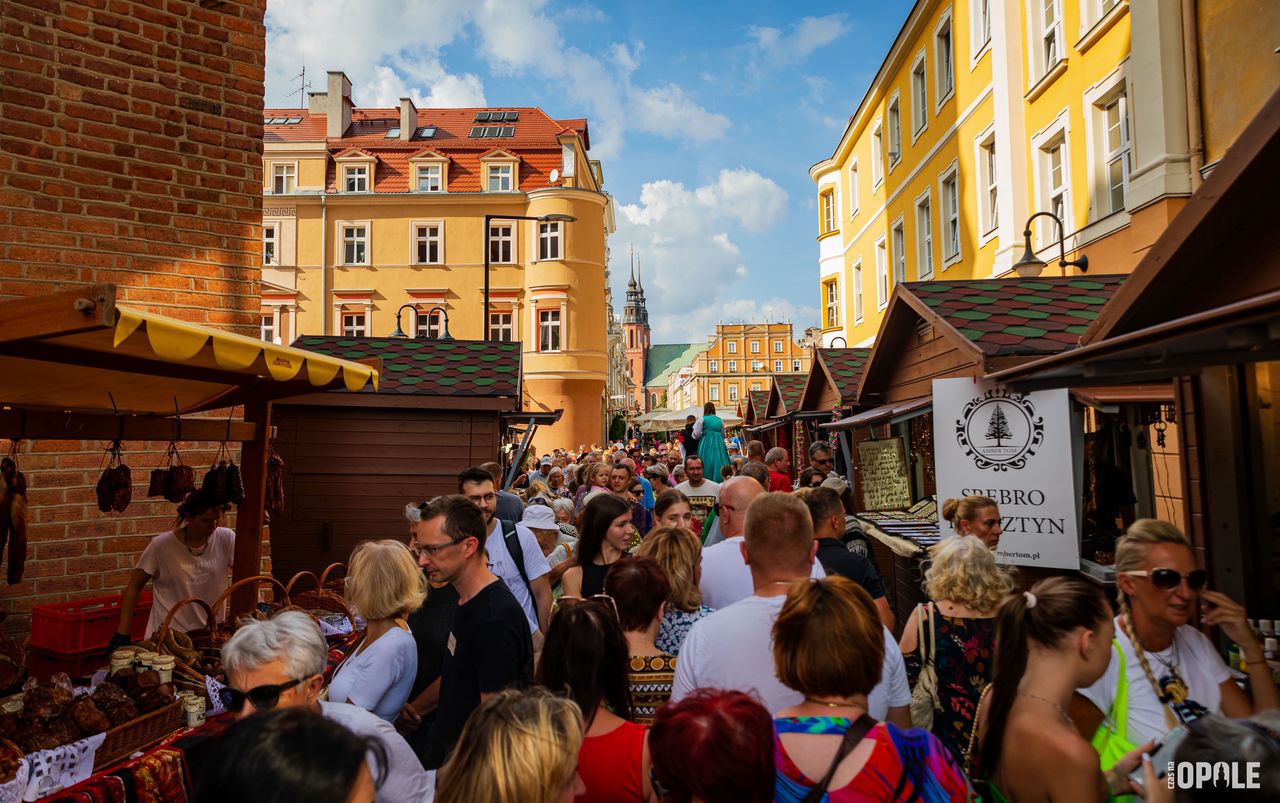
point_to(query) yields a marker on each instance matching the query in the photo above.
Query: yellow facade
(738, 358)
(945, 159)
(553, 303)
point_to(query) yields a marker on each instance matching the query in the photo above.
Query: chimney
(408, 119)
(317, 103)
(339, 103)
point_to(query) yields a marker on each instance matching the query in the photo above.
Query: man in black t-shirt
(489, 647)
(827, 512)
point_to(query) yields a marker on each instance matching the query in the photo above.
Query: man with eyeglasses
(821, 458)
(489, 646)
(279, 663)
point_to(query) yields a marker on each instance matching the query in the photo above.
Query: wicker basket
(13, 663)
(142, 733)
(337, 585)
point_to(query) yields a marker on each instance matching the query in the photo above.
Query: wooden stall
(353, 460)
(830, 393)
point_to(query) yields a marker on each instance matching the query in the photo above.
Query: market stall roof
(832, 381)
(785, 395)
(754, 405)
(667, 420)
(1156, 325)
(430, 367)
(78, 351)
(887, 413)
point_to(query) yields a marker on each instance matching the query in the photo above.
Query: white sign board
(1017, 449)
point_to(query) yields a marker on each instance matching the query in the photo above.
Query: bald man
(725, 576)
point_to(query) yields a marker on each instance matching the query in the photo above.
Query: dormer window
(430, 172)
(428, 178)
(355, 178)
(499, 178)
(501, 171)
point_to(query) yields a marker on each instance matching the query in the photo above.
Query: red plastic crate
(42, 664)
(83, 625)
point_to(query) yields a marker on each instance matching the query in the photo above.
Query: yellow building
(367, 210)
(985, 112)
(739, 358)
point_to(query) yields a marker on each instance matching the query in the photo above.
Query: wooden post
(249, 518)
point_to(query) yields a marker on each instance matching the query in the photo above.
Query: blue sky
(706, 117)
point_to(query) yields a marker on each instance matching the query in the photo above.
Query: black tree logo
(998, 428)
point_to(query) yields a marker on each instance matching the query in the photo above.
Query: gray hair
(818, 447)
(413, 513)
(560, 505)
(775, 454)
(293, 637)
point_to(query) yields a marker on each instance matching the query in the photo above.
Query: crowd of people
(620, 627)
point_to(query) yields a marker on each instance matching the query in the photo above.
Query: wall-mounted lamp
(1030, 265)
(444, 320)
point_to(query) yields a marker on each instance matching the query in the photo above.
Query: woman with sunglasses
(585, 658)
(279, 663)
(603, 541)
(1168, 671)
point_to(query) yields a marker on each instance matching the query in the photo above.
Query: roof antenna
(304, 85)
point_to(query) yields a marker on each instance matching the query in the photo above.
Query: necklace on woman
(835, 704)
(1065, 716)
(203, 549)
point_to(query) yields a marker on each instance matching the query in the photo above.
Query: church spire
(631, 285)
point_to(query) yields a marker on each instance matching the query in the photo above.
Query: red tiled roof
(535, 143)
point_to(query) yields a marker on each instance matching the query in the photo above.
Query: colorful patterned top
(964, 667)
(910, 764)
(676, 625)
(650, 677)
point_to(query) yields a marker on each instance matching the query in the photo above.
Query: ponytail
(1046, 614)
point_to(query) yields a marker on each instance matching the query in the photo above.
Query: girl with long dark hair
(602, 541)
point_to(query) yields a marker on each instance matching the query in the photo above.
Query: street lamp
(843, 343)
(553, 218)
(444, 315)
(1030, 265)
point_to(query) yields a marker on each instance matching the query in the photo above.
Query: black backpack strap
(857, 731)
(516, 550)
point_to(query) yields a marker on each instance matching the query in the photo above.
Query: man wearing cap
(540, 521)
(544, 468)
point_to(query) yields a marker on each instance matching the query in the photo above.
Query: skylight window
(492, 131)
(393, 133)
(427, 132)
(282, 121)
(293, 120)
(497, 117)
(482, 117)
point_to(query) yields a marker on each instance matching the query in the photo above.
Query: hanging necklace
(1065, 716)
(834, 705)
(194, 553)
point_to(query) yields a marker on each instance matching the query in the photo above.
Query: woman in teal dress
(711, 443)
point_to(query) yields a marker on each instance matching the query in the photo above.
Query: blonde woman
(517, 747)
(974, 515)
(965, 587)
(384, 585)
(1169, 672)
(679, 552)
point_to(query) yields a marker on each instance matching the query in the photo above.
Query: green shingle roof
(845, 367)
(430, 367)
(664, 358)
(759, 400)
(790, 388)
(1011, 316)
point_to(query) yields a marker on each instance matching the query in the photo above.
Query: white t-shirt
(1197, 662)
(405, 780)
(503, 565)
(177, 574)
(733, 649)
(379, 677)
(725, 576)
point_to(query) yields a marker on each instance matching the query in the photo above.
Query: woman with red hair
(713, 746)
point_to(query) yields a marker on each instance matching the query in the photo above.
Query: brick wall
(130, 153)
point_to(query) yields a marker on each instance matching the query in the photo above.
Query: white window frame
(429, 174)
(1055, 135)
(550, 329)
(1121, 155)
(979, 30)
(893, 115)
(919, 96)
(430, 160)
(949, 209)
(354, 324)
(944, 65)
(286, 172)
(757, 366)
(882, 273)
(831, 303)
(270, 244)
(755, 347)
(713, 393)
(267, 327)
(987, 186)
(898, 249)
(366, 239)
(418, 239)
(924, 235)
(733, 366)
(550, 240)
(777, 366)
(877, 155)
(509, 238)
(857, 292)
(733, 391)
(505, 324)
(795, 364)
(1039, 39)
(353, 176)
(1098, 153)
(503, 172)
(827, 201)
(733, 346)
(853, 187)
(427, 324)
(777, 347)
(713, 366)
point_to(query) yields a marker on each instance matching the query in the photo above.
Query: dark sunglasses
(263, 698)
(825, 462)
(1168, 579)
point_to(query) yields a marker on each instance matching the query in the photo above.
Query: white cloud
(666, 110)
(777, 48)
(688, 242)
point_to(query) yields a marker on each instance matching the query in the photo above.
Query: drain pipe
(1191, 65)
(324, 266)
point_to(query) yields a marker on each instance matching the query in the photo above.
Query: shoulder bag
(857, 731)
(924, 697)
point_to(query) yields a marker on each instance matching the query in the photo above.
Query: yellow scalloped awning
(148, 363)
